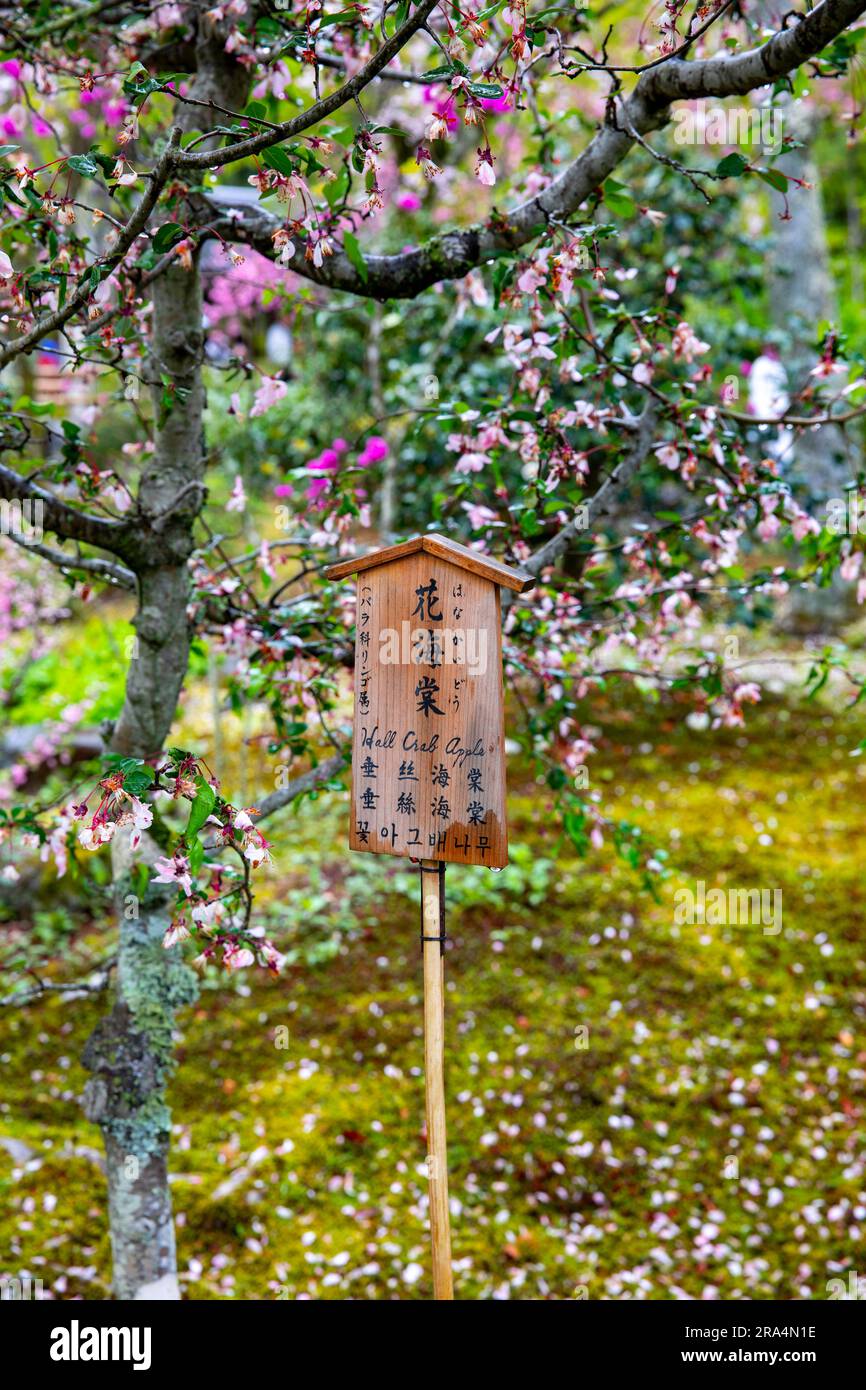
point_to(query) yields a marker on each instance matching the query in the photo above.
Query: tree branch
(308, 781)
(75, 987)
(214, 159)
(599, 503)
(60, 518)
(132, 230)
(452, 254)
(90, 564)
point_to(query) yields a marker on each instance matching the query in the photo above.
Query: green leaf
(775, 178)
(485, 90)
(137, 775)
(343, 16)
(83, 164)
(195, 855)
(618, 199)
(139, 84)
(201, 808)
(733, 166)
(277, 158)
(444, 70)
(168, 235)
(138, 781)
(337, 190)
(355, 256)
(503, 274)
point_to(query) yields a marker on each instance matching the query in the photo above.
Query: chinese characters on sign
(427, 774)
(428, 757)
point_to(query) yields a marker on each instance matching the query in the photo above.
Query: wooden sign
(428, 756)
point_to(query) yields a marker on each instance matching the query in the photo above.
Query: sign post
(428, 760)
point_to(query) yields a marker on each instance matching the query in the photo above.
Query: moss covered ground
(637, 1109)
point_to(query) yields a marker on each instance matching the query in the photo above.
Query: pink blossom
(178, 931)
(272, 958)
(480, 516)
(374, 451)
(850, 566)
(668, 456)
(256, 849)
(498, 104)
(326, 462)
(484, 170)
(175, 870)
(471, 463)
(93, 836)
(238, 500)
(749, 692)
(686, 345)
(237, 957)
(270, 391)
(532, 278)
(318, 487)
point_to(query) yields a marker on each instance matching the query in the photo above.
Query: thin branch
(308, 781)
(600, 501)
(133, 229)
(106, 569)
(43, 987)
(242, 149)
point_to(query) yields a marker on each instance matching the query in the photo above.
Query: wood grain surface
(428, 755)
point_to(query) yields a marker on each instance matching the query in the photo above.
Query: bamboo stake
(432, 877)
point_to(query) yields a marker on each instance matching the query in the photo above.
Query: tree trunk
(129, 1053)
(802, 295)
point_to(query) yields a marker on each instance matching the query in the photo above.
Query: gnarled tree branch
(452, 254)
(60, 518)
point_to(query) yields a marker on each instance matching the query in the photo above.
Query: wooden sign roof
(442, 549)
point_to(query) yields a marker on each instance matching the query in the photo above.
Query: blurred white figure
(769, 400)
(278, 345)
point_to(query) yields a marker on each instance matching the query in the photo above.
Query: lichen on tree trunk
(130, 1051)
(130, 1056)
